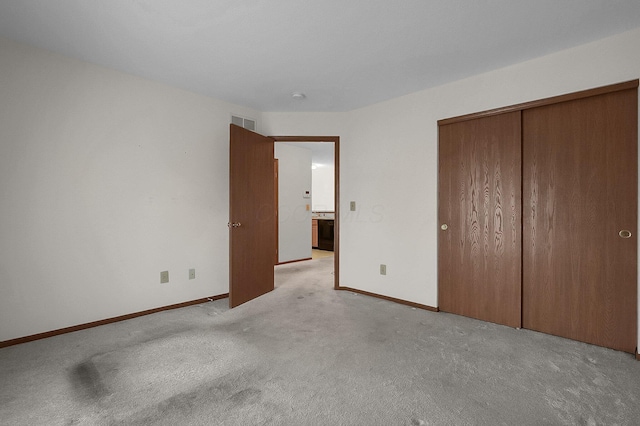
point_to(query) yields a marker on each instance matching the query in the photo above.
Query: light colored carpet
(320, 254)
(306, 354)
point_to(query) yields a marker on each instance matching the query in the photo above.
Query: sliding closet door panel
(479, 244)
(579, 193)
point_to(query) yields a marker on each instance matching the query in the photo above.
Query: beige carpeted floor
(320, 254)
(306, 354)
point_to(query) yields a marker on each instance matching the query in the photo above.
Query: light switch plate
(192, 274)
(164, 277)
(352, 206)
(383, 269)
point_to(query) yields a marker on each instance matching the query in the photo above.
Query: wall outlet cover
(164, 277)
(383, 269)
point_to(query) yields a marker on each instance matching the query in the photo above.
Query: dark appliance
(325, 234)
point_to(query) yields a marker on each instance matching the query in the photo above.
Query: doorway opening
(328, 212)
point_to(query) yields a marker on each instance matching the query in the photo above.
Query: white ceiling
(343, 54)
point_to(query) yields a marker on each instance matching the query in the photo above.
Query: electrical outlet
(192, 274)
(164, 277)
(383, 269)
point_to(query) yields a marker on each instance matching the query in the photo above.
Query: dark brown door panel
(580, 190)
(251, 215)
(479, 252)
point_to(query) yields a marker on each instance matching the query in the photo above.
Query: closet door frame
(542, 102)
(633, 84)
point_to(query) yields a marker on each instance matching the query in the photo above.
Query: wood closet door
(479, 253)
(580, 190)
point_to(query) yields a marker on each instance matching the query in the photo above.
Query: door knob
(625, 234)
(444, 227)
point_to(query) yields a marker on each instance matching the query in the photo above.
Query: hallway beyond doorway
(320, 254)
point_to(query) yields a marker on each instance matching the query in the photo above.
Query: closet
(538, 215)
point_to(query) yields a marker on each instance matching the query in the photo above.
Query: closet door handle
(444, 226)
(625, 233)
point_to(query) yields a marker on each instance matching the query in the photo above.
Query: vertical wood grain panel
(276, 197)
(580, 190)
(479, 255)
(252, 205)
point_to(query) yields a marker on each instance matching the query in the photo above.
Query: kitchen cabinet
(314, 233)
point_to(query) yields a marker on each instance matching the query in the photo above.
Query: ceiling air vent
(247, 123)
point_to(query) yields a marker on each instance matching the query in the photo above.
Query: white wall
(389, 159)
(323, 182)
(105, 180)
(294, 211)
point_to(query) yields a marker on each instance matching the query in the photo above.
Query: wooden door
(580, 190)
(479, 252)
(276, 196)
(251, 215)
